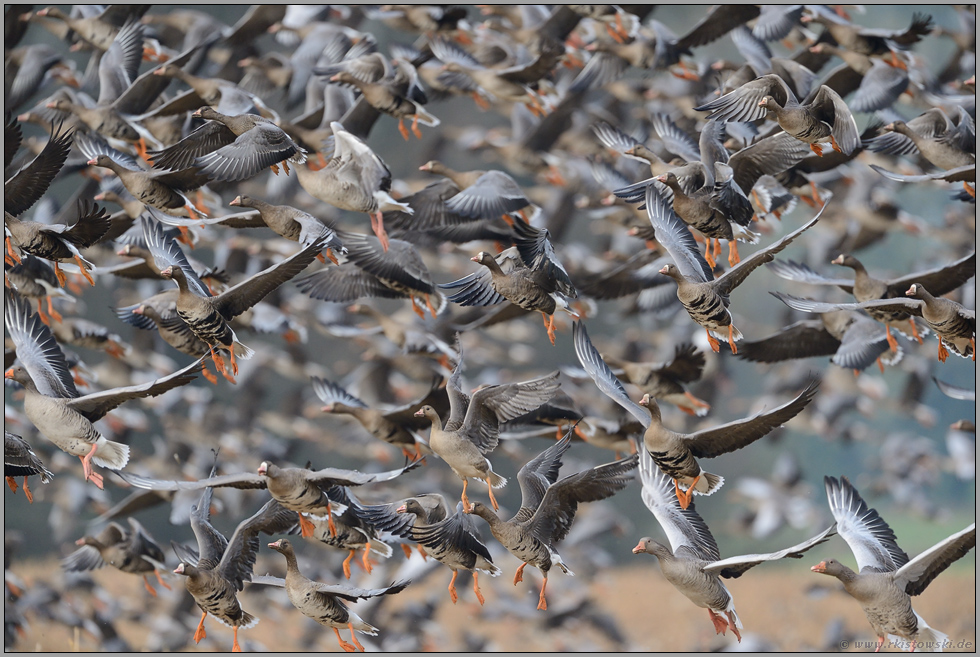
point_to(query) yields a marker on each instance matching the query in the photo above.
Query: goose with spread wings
(548, 507)
(693, 563)
(219, 568)
(886, 576)
(52, 402)
(704, 297)
(300, 490)
(677, 453)
(473, 428)
(208, 316)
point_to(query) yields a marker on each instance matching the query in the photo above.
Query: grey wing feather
(37, 348)
(733, 567)
(603, 376)
(684, 528)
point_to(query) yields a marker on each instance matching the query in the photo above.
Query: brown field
(782, 609)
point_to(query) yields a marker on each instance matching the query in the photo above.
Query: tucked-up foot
(816, 149)
(402, 129)
(415, 126)
(731, 338)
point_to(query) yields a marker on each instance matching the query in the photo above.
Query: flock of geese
(630, 157)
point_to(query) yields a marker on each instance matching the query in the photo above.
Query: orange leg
(13, 255)
(402, 129)
(343, 644)
(407, 550)
(415, 307)
(234, 365)
(354, 638)
(943, 354)
(542, 602)
(481, 102)
(721, 625)
(686, 502)
(347, 563)
(892, 342)
(912, 645)
(467, 507)
(55, 315)
(973, 348)
(27, 491)
(12, 483)
(732, 626)
(40, 313)
(149, 588)
(200, 633)
(915, 331)
(707, 253)
(507, 220)
(219, 362)
(422, 552)
(881, 366)
(493, 500)
(306, 527)
(185, 236)
(698, 403)
(207, 374)
(366, 559)
(60, 275)
(816, 149)
(332, 257)
(969, 190)
(143, 151)
(715, 345)
(476, 587)
(234, 645)
(90, 475)
(428, 304)
(733, 258)
(160, 579)
(519, 575)
(452, 588)
(835, 145)
(680, 494)
(731, 338)
(879, 643)
(415, 126)
(377, 223)
(549, 323)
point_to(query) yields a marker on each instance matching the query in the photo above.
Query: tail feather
(425, 118)
(496, 480)
(111, 455)
(379, 547)
(722, 334)
(708, 483)
(242, 351)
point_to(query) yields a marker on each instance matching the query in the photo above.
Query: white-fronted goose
(35, 280)
(886, 576)
(231, 148)
(676, 453)
(548, 508)
(865, 287)
(285, 220)
(222, 566)
(134, 552)
(354, 179)
(472, 430)
(348, 531)
(693, 563)
(396, 426)
(954, 325)
(321, 602)
(53, 404)
(452, 540)
(824, 118)
(864, 40)
(19, 460)
(508, 278)
(299, 490)
(482, 194)
(208, 316)
(393, 95)
(706, 298)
